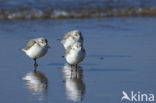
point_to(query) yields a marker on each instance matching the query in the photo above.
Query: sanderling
(36, 48)
(72, 37)
(75, 53)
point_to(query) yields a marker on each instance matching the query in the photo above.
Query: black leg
(71, 75)
(76, 67)
(71, 65)
(35, 63)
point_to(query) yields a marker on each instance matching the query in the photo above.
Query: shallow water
(126, 44)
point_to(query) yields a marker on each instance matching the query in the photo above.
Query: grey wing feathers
(30, 44)
(68, 50)
(65, 37)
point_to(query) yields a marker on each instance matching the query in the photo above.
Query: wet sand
(120, 56)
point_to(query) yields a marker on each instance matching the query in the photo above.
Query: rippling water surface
(47, 9)
(120, 56)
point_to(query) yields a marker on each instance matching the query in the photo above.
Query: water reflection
(74, 85)
(37, 83)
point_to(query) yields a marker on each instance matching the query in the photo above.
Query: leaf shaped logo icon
(125, 96)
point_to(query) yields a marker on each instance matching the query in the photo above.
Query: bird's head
(77, 46)
(43, 42)
(76, 34)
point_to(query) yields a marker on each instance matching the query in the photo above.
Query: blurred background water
(74, 3)
(119, 37)
(46, 9)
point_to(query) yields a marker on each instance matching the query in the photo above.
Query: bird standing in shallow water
(71, 37)
(36, 48)
(75, 53)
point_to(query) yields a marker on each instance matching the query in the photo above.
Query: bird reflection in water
(74, 85)
(37, 83)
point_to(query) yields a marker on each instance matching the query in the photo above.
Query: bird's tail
(61, 40)
(22, 50)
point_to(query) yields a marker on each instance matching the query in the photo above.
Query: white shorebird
(75, 53)
(72, 37)
(36, 48)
